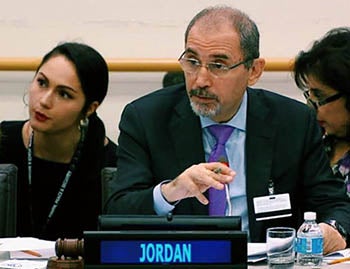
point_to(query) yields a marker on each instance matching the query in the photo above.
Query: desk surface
(264, 266)
(260, 265)
(334, 266)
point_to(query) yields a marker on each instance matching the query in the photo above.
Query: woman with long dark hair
(61, 149)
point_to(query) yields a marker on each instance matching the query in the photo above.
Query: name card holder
(160, 249)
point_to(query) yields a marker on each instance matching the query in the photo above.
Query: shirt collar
(238, 121)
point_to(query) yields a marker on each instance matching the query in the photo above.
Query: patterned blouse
(342, 168)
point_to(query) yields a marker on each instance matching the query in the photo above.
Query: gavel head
(72, 248)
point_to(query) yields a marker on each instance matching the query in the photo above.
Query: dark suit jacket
(160, 137)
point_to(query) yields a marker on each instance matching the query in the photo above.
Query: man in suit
(275, 149)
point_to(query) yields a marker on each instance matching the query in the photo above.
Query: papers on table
(25, 243)
(26, 252)
(25, 264)
(337, 255)
(256, 252)
(32, 255)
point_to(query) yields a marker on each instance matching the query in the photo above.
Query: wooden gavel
(69, 254)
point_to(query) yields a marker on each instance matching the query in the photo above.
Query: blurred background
(148, 29)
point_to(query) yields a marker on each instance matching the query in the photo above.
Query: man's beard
(204, 110)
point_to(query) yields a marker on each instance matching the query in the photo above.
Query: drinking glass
(280, 243)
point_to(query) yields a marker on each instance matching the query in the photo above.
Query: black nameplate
(165, 249)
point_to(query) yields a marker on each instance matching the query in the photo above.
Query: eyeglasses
(317, 104)
(192, 66)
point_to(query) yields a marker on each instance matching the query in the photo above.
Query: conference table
(264, 266)
(334, 266)
(259, 265)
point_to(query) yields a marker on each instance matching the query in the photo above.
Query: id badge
(272, 207)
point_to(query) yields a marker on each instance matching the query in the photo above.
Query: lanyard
(72, 167)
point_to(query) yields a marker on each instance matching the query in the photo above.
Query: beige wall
(147, 28)
(154, 28)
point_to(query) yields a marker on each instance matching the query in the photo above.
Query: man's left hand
(332, 239)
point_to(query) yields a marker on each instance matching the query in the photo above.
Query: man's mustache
(202, 92)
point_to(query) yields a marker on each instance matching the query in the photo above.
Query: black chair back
(8, 200)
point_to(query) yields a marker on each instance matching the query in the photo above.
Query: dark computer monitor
(134, 241)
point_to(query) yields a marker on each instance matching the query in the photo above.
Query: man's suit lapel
(185, 130)
(186, 135)
(259, 150)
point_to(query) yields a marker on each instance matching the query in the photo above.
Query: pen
(339, 260)
(217, 170)
(32, 252)
(227, 193)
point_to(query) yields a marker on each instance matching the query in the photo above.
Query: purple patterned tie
(217, 198)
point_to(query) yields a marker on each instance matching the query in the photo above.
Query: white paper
(337, 254)
(44, 254)
(25, 264)
(25, 243)
(257, 252)
(16, 245)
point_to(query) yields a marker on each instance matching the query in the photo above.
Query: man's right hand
(195, 180)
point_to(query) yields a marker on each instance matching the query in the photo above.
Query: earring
(25, 98)
(84, 123)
